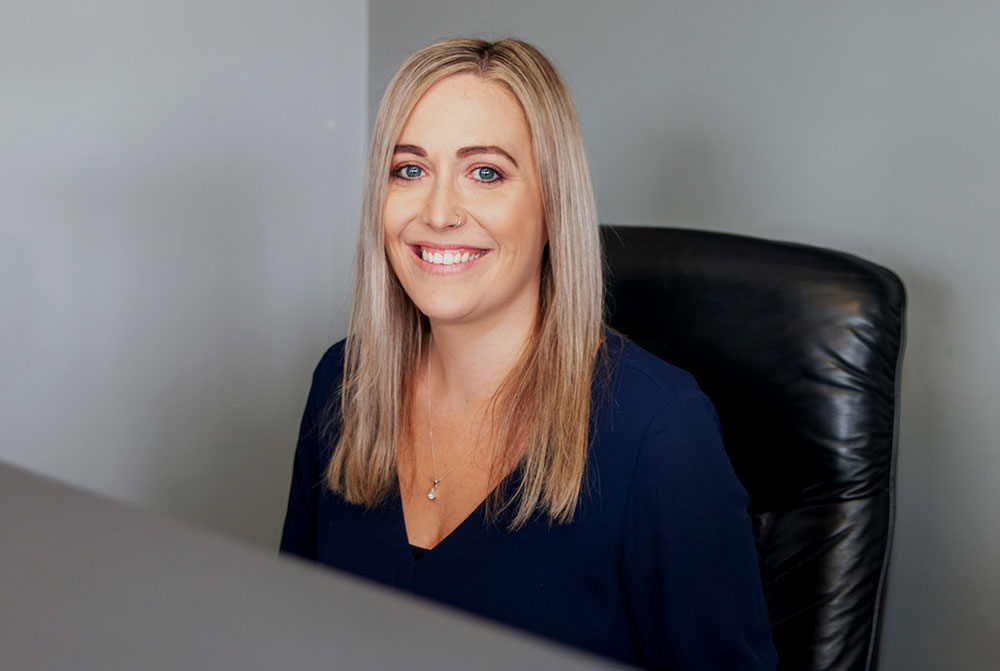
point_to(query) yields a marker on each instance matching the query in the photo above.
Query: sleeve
(690, 574)
(298, 537)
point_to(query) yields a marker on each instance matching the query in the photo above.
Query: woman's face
(466, 151)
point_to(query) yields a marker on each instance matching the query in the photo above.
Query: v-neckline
(444, 549)
(467, 530)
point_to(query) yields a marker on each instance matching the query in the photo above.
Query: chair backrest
(800, 350)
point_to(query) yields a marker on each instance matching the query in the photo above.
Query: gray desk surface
(87, 583)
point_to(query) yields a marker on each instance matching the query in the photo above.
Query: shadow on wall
(928, 570)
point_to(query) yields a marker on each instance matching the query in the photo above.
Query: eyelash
(499, 176)
(395, 173)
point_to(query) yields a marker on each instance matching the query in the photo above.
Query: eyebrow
(486, 149)
(461, 153)
(409, 149)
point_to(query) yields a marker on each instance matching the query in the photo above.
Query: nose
(442, 206)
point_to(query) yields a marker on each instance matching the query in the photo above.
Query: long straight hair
(543, 405)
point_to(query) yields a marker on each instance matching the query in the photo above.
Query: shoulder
(326, 379)
(643, 386)
(643, 369)
(656, 419)
(331, 366)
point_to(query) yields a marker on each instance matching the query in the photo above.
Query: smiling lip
(446, 259)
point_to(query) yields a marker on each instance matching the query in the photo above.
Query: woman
(480, 438)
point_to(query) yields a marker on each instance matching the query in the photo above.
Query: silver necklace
(432, 494)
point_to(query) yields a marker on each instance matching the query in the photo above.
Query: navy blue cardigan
(657, 568)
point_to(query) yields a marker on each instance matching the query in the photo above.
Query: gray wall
(868, 127)
(178, 207)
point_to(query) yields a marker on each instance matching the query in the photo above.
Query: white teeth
(448, 258)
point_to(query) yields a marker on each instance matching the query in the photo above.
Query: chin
(440, 304)
(445, 314)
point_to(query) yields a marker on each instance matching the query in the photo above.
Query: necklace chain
(432, 494)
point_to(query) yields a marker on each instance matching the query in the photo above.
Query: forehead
(463, 110)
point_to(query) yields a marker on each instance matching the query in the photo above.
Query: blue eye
(409, 171)
(487, 174)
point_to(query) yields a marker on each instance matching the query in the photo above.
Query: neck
(471, 361)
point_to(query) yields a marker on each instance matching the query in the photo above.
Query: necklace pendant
(433, 493)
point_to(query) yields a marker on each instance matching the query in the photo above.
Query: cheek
(393, 230)
(395, 250)
(391, 225)
(401, 206)
(543, 230)
(396, 261)
(520, 218)
(534, 219)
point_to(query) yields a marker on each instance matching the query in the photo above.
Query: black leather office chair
(800, 350)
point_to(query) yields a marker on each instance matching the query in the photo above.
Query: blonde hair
(543, 406)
